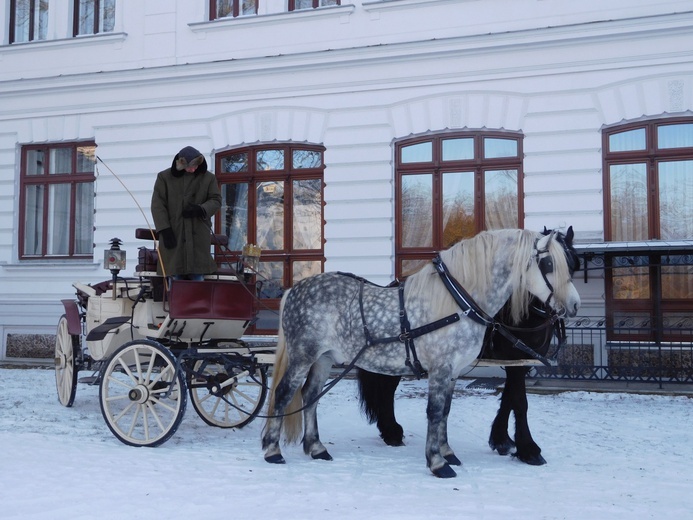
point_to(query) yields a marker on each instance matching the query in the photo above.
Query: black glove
(168, 237)
(193, 211)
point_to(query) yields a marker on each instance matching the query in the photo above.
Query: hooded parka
(175, 191)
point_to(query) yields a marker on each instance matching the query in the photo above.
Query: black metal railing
(594, 351)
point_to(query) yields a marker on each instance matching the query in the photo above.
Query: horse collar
(472, 310)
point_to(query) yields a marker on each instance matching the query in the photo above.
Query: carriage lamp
(114, 261)
(251, 256)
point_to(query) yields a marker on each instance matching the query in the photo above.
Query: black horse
(377, 391)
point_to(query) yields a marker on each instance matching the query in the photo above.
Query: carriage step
(90, 380)
(98, 333)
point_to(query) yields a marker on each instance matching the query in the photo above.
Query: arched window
(648, 200)
(452, 186)
(272, 196)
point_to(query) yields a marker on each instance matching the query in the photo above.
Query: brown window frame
(287, 255)
(46, 179)
(437, 167)
(316, 4)
(646, 315)
(235, 9)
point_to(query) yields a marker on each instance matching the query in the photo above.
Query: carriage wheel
(66, 345)
(232, 406)
(142, 395)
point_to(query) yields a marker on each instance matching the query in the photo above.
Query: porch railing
(592, 353)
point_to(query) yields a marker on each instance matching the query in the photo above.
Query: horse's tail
(292, 423)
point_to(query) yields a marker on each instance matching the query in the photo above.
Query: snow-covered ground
(610, 456)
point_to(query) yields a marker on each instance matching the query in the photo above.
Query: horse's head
(550, 272)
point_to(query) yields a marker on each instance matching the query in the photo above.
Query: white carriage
(151, 344)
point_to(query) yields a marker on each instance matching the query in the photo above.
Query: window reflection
(417, 206)
(495, 148)
(500, 192)
(421, 152)
(270, 214)
(629, 140)
(458, 207)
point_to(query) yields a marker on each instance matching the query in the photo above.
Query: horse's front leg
(499, 439)
(317, 376)
(440, 386)
(528, 451)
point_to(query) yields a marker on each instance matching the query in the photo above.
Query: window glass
(676, 200)
(677, 278)
(59, 218)
(415, 153)
(458, 149)
(35, 162)
(495, 148)
(270, 160)
(675, 136)
(627, 141)
(234, 212)
(306, 159)
(458, 207)
(270, 214)
(630, 278)
(33, 220)
(417, 206)
(60, 160)
(628, 184)
(501, 197)
(271, 275)
(84, 211)
(307, 207)
(237, 162)
(305, 268)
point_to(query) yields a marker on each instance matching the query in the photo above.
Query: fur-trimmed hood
(188, 157)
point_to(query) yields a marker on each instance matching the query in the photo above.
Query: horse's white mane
(471, 262)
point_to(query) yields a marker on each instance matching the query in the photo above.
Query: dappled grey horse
(435, 321)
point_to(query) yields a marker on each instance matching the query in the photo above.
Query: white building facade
(390, 96)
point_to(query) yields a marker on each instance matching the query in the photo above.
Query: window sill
(269, 19)
(76, 40)
(382, 5)
(41, 265)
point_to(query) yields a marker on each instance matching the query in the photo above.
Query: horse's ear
(545, 232)
(569, 235)
(543, 242)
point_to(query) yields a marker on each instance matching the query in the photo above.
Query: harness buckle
(404, 336)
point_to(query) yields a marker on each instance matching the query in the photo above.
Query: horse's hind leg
(317, 376)
(377, 396)
(283, 396)
(527, 450)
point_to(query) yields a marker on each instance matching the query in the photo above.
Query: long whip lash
(149, 226)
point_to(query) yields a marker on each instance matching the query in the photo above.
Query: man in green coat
(185, 197)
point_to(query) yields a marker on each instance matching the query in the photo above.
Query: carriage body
(151, 343)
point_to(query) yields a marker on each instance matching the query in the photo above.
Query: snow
(610, 456)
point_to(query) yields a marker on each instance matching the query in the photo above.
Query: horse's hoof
(275, 459)
(445, 471)
(323, 455)
(393, 442)
(503, 448)
(532, 460)
(452, 459)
